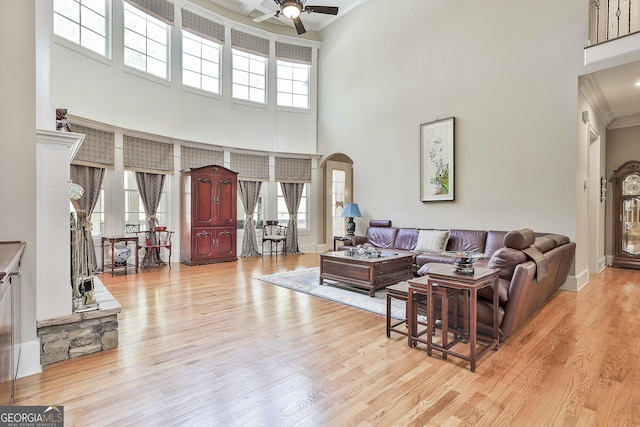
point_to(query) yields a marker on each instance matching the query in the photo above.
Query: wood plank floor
(212, 346)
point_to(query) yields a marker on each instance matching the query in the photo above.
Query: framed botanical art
(436, 160)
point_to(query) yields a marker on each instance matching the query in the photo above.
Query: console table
(438, 284)
(112, 240)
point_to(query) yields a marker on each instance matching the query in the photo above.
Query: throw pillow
(432, 240)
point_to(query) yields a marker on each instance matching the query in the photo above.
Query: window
(249, 76)
(200, 63)
(293, 84)
(135, 219)
(145, 42)
(303, 208)
(83, 22)
(258, 214)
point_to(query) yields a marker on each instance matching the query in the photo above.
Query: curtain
(90, 179)
(150, 188)
(292, 192)
(249, 193)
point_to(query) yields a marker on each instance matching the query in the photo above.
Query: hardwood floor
(212, 346)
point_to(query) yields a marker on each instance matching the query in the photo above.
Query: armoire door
(202, 244)
(226, 242)
(225, 201)
(203, 200)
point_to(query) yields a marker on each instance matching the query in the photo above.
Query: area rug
(308, 281)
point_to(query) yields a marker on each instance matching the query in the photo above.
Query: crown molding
(625, 122)
(590, 88)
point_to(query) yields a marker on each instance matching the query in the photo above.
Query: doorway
(338, 172)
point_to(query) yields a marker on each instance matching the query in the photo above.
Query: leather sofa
(532, 266)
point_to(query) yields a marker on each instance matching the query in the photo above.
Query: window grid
(83, 22)
(292, 84)
(134, 213)
(303, 208)
(145, 42)
(249, 77)
(200, 63)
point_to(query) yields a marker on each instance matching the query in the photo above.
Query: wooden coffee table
(365, 273)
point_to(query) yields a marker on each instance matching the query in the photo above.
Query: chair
(274, 233)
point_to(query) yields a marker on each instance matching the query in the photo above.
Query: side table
(435, 285)
(338, 238)
(400, 291)
(112, 240)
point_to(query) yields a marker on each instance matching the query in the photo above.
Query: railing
(611, 19)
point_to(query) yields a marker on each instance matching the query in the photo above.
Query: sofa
(532, 266)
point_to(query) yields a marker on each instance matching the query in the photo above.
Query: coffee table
(365, 273)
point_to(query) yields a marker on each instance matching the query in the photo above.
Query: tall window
(135, 219)
(258, 214)
(303, 208)
(200, 62)
(83, 22)
(293, 84)
(146, 41)
(249, 76)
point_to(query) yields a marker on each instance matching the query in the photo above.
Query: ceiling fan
(292, 9)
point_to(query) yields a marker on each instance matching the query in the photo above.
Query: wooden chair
(275, 234)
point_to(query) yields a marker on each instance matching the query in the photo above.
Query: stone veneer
(79, 334)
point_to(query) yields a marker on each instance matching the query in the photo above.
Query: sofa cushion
(519, 239)
(505, 261)
(467, 240)
(432, 240)
(486, 293)
(430, 267)
(495, 241)
(382, 237)
(406, 239)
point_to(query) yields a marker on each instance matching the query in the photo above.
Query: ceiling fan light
(291, 10)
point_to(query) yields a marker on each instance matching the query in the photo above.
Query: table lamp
(351, 210)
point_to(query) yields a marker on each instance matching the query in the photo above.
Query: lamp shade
(351, 210)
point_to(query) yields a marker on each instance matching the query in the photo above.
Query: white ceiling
(311, 21)
(618, 89)
(616, 84)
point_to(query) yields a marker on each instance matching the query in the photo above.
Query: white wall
(507, 72)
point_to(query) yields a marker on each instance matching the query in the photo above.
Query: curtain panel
(191, 157)
(250, 167)
(292, 193)
(97, 149)
(90, 179)
(144, 155)
(249, 193)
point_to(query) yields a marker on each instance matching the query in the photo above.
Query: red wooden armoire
(208, 206)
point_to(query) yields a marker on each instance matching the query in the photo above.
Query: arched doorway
(338, 190)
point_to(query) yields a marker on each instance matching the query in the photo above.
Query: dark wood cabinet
(626, 181)
(209, 205)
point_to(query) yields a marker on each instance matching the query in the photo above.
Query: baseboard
(29, 359)
(577, 282)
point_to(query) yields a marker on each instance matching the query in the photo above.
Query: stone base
(79, 334)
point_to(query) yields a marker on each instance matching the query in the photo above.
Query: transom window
(200, 62)
(249, 76)
(303, 208)
(83, 22)
(293, 84)
(146, 41)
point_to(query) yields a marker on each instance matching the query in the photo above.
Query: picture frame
(437, 143)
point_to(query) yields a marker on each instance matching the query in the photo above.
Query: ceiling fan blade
(329, 10)
(299, 27)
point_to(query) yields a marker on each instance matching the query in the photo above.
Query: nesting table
(444, 284)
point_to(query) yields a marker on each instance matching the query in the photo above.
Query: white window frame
(201, 66)
(80, 26)
(303, 210)
(250, 77)
(137, 216)
(152, 60)
(292, 85)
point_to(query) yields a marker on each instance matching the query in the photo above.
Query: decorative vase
(120, 254)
